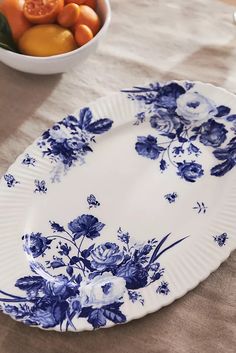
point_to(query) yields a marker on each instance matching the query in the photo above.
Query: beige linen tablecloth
(148, 40)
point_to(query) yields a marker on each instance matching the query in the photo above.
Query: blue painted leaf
(158, 247)
(69, 270)
(85, 118)
(193, 148)
(85, 253)
(170, 246)
(86, 311)
(223, 168)
(92, 275)
(222, 110)
(231, 117)
(96, 318)
(170, 135)
(182, 139)
(59, 311)
(86, 263)
(29, 282)
(179, 130)
(196, 129)
(46, 135)
(71, 315)
(113, 313)
(99, 126)
(156, 276)
(78, 279)
(193, 138)
(221, 153)
(57, 263)
(87, 148)
(74, 260)
(163, 164)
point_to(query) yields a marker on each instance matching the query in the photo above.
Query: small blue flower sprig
(70, 140)
(95, 279)
(11, 180)
(221, 239)
(200, 207)
(92, 201)
(171, 197)
(28, 160)
(40, 186)
(186, 119)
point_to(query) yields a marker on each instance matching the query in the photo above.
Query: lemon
(46, 40)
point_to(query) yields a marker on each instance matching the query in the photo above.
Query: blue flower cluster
(148, 147)
(94, 278)
(181, 115)
(70, 140)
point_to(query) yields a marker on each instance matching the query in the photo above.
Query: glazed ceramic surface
(121, 208)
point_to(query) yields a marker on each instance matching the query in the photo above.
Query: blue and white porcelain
(120, 208)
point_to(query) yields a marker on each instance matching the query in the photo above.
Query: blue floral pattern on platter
(70, 140)
(85, 280)
(74, 274)
(182, 120)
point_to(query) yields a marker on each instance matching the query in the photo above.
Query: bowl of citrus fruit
(51, 36)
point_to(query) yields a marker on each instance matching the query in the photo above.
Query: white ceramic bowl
(63, 62)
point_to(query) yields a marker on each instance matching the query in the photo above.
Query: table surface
(148, 40)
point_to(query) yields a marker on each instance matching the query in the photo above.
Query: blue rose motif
(228, 156)
(102, 290)
(48, 313)
(74, 143)
(57, 134)
(147, 147)
(86, 225)
(190, 171)
(212, 133)
(63, 152)
(165, 122)
(135, 275)
(194, 106)
(60, 286)
(70, 122)
(36, 244)
(168, 94)
(106, 256)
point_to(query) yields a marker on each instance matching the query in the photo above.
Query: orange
(91, 3)
(89, 18)
(42, 11)
(13, 11)
(78, 2)
(83, 34)
(46, 40)
(68, 15)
